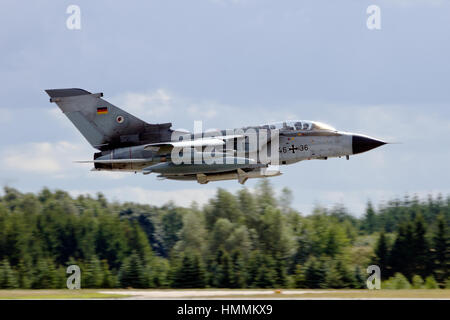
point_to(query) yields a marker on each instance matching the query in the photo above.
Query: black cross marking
(293, 148)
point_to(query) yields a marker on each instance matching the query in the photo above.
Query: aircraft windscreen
(323, 126)
(290, 125)
(297, 125)
(301, 125)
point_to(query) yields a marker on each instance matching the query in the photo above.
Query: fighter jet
(126, 143)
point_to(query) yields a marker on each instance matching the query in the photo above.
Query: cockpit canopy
(298, 125)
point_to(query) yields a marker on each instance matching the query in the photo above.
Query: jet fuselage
(127, 143)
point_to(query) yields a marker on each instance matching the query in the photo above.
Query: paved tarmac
(211, 294)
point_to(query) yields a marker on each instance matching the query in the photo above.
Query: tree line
(242, 240)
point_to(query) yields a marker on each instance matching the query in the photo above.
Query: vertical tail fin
(104, 125)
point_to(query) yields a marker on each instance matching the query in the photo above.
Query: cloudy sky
(232, 63)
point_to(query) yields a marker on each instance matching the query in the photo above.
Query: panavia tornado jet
(126, 143)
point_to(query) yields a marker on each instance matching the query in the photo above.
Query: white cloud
(162, 105)
(146, 105)
(181, 197)
(111, 175)
(42, 157)
(208, 110)
(56, 114)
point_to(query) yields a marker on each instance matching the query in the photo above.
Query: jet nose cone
(362, 143)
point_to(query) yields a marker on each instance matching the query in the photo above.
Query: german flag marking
(102, 110)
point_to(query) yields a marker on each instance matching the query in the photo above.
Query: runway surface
(280, 294)
(174, 294)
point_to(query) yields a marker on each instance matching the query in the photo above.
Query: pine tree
(335, 240)
(158, 271)
(190, 273)
(401, 257)
(225, 275)
(108, 279)
(92, 275)
(314, 273)
(139, 242)
(420, 248)
(265, 195)
(8, 277)
(172, 222)
(347, 276)
(382, 252)
(441, 256)
(333, 278)
(239, 270)
(132, 273)
(299, 277)
(360, 281)
(45, 276)
(331, 244)
(369, 222)
(430, 283)
(25, 275)
(281, 272)
(417, 282)
(254, 263)
(286, 200)
(248, 207)
(266, 276)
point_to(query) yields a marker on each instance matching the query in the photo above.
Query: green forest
(250, 239)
